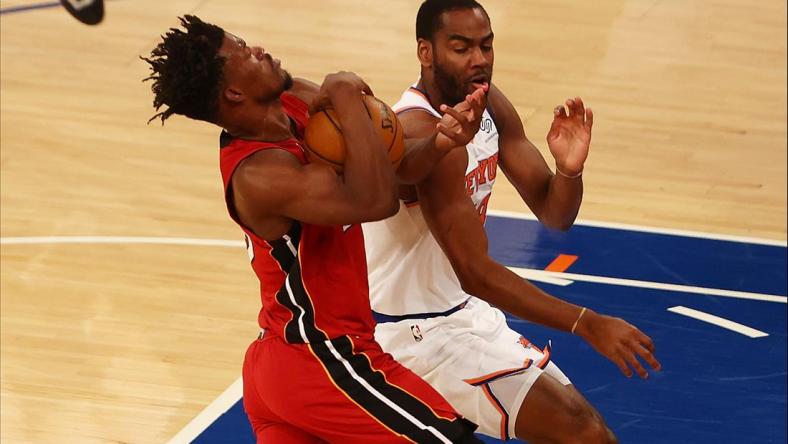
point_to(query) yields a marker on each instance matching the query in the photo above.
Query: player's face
(462, 54)
(252, 71)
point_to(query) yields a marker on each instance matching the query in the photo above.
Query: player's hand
(460, 123)
(619, 341)
(570, 136)
(336, 88)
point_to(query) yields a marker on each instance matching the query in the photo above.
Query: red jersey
(313, 280)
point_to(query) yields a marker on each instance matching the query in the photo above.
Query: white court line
(549, 277)
(645, 229)
(209, 414)
(498, 213)
(119, 240)
(530, 273)
(718, 321)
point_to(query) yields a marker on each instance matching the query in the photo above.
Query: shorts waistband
(381, 318)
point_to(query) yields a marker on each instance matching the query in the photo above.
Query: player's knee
(588, 427)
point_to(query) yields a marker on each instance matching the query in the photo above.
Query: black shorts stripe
(296, 299)
(402, 398)
(380, 410)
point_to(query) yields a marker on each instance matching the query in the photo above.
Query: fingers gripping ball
(325, 143)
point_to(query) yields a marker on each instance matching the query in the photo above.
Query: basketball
(325, 144)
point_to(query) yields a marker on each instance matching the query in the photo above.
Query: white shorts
(472, 357)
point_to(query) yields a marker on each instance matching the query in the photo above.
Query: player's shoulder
(416, 114)
(414, 99)
(499, 106)
(271, 158)
(497, 100)
(266, 165)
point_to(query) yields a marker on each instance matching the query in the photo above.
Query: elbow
(557, 222)
(391, 206)
(562, 225)
(472, 277)
(382, 208)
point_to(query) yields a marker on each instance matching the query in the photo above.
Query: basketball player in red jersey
(316, 374)
(453, 292)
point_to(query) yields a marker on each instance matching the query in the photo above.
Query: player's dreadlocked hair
(428, 19)
(187, 70)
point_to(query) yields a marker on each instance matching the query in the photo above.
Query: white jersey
(408, 271)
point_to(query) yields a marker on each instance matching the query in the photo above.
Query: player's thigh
(384, 402)
(489, 386)
(479, 364)
(284, 433)
(349, 391)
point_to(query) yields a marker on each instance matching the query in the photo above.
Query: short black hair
(428, 20)
(187, 70)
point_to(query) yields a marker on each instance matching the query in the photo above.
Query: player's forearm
(562, 202)
(506, 290)
(420, 157)
(368, 175)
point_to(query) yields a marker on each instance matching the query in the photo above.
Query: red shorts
(342, 391)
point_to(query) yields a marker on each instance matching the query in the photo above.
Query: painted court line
(23, 8)
(210, 414)
(718, 321)
(550, 280)
(549, 277)
(119, 240)
(536, 275)
(561, 263)
(646, 229)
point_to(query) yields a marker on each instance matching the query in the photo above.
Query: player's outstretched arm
(272, 183)
(554, 198)
(457, 227)
(456, 129)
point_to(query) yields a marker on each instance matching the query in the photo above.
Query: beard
(452, 89)
(287, 84)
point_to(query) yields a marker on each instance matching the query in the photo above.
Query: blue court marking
(717, 386)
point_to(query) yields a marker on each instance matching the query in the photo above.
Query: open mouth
(480, 81)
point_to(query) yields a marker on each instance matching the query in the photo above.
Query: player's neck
(266, 122)
(434, 96)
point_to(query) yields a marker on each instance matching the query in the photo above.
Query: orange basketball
(325, 144)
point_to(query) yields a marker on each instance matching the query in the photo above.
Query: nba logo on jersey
(416, 333)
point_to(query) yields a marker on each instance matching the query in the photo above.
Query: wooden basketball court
(126, 339)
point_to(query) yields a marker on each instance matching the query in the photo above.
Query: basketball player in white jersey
(430, 275)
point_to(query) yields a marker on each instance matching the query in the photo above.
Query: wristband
(566, 175)
(574, 326)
